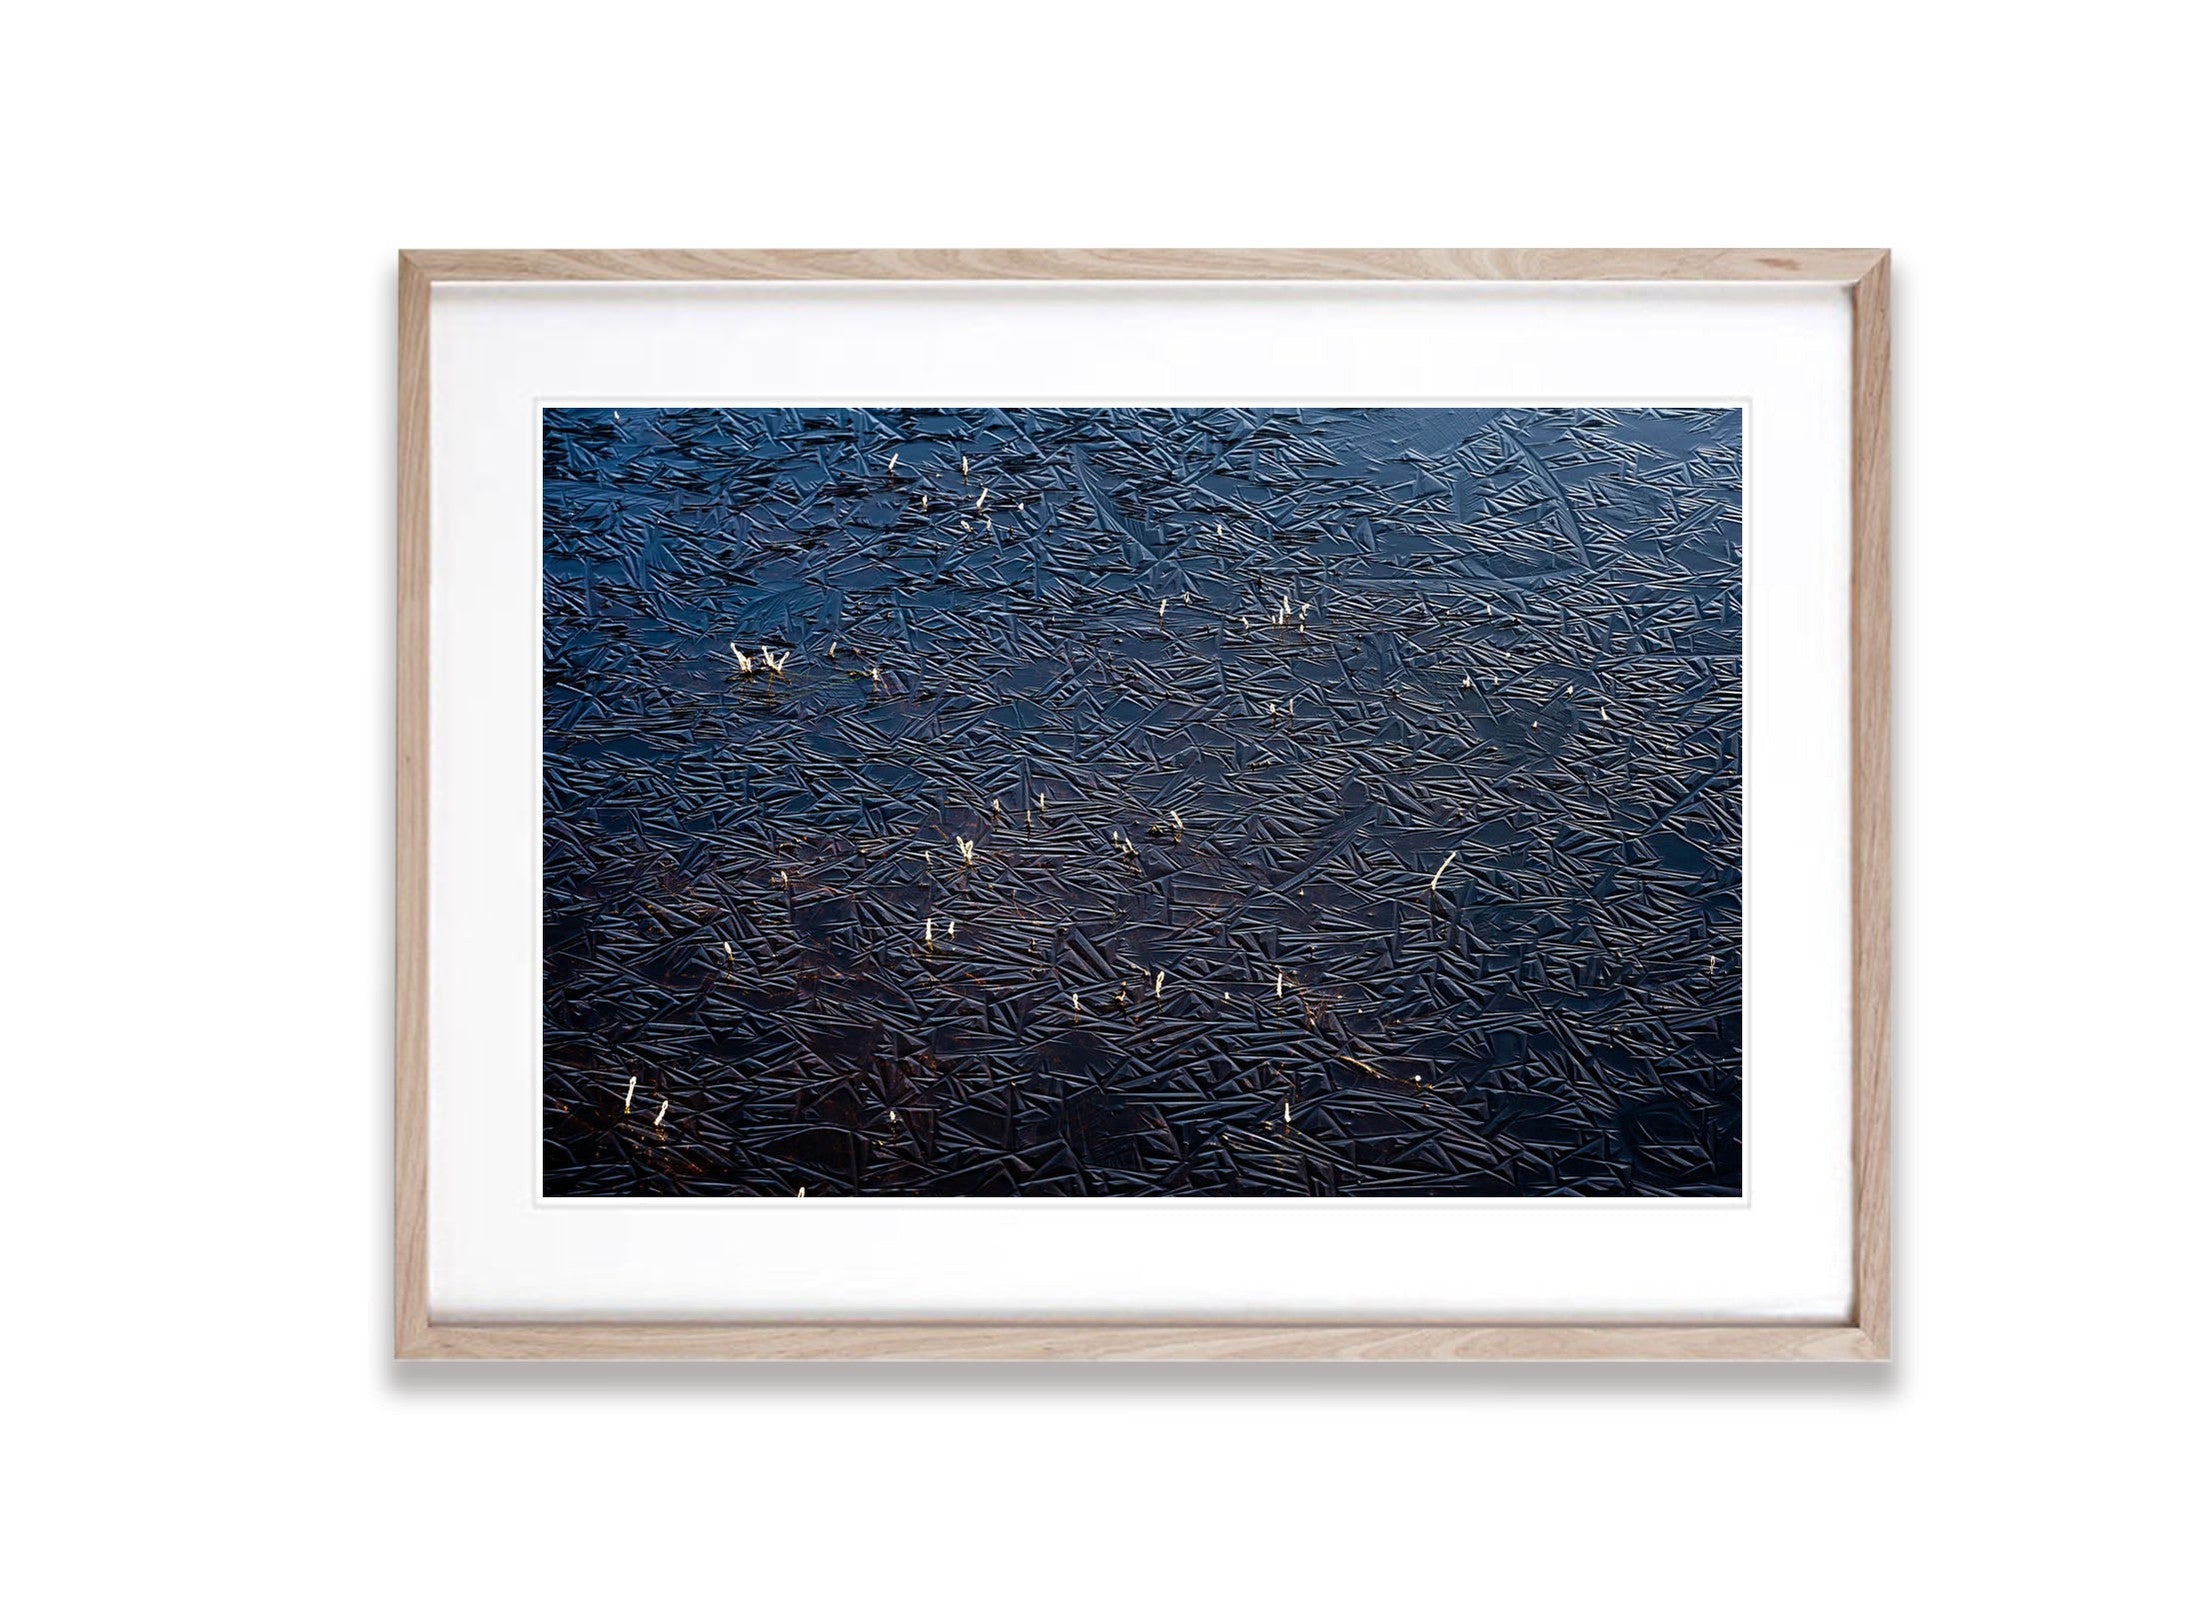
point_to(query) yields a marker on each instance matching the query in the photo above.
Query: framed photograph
(1143, 804)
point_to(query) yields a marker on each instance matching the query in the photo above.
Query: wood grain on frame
(1162, 266)
(1047, 1340)
(1865, 1337)
(413, 519)
(1870, 756)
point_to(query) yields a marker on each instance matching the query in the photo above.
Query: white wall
(197, 498)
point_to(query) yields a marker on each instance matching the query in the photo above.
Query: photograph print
(1157, 802)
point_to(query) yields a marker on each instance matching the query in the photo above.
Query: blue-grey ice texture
(1401, 856)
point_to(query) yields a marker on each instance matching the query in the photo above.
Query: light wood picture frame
(1863, 1335)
